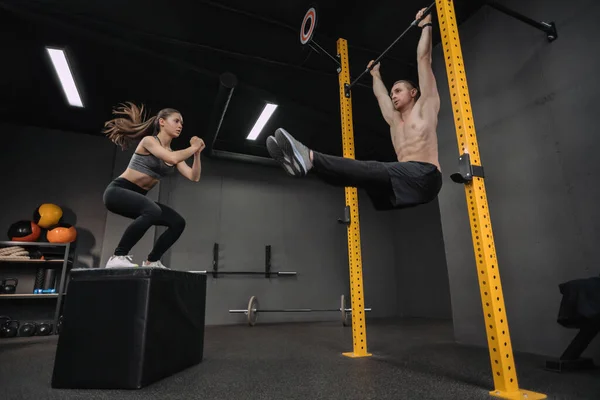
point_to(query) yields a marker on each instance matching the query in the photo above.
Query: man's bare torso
(415, 138)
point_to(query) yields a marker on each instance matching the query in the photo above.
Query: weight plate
(252, 310)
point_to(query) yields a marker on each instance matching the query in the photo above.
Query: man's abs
(415, 143)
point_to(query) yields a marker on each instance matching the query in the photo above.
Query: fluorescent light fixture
(61, 67)
(262, 121)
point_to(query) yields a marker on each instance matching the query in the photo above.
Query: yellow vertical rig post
(471, 175)
(359, 325)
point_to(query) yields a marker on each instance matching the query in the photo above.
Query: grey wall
(243, 207)
(68, 169)
(246, 207)
(535, 108)
(48, 166)
(423, 287)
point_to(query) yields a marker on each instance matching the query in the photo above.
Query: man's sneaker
(120, 262)
(153, 264)
(277, 154)
(296, 152)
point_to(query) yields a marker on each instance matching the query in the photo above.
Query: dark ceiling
(171, 54)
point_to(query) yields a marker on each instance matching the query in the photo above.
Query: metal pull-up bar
(412, 25)
(548, 27)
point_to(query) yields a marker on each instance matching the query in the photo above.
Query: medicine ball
(62, 233)
(35, 254)
(24, 231)
(47, 215)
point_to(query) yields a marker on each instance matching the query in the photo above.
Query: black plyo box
(125, 328)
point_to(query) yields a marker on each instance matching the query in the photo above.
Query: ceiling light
(262, 121)
(61, 67)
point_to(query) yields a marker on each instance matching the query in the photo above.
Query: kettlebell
(10, 329)
(7, 287)
(27, 329)
(44, 329)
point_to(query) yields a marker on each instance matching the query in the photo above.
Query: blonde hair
(132, 123)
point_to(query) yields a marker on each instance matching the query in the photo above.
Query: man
(412, 116)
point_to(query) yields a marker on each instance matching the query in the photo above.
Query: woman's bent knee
(152, 211)
(179, 223)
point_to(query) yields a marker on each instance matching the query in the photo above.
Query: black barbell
(253, 310)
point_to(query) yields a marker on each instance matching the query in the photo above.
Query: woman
(153, 159)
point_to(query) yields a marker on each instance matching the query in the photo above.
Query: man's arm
(382, 95)
(427, 82)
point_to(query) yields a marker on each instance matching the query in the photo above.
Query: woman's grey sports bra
(150, 165)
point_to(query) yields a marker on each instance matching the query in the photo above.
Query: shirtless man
(412, 115)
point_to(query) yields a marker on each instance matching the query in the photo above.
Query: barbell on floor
(253, 310)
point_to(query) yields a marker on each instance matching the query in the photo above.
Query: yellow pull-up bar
(471, 175)
(488, 273)
(359, 325)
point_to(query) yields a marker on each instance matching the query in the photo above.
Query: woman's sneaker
(153, 264)
(120, 262)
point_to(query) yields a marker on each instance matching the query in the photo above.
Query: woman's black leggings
(129, 200)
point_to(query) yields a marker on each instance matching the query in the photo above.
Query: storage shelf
(68, 257)
(31, 296)
(39, 244)
(29, 260)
